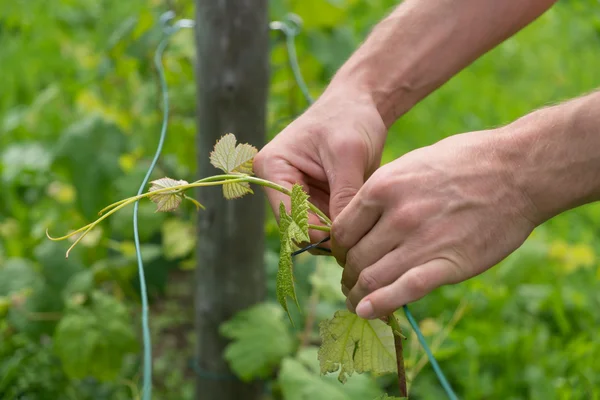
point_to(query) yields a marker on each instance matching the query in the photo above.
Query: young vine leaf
(351, 343)
(233, 159)
(293, 230)
(169, 200)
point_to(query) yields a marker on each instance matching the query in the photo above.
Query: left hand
(438, 215)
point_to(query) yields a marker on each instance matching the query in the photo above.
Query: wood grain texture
(232, 86)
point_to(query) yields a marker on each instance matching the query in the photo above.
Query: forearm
(423, 43)
(554, 155)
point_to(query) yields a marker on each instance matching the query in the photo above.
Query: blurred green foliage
(79, 118)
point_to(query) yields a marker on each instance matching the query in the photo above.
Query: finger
(384, 237)
(345, 290)
(411, 286)
(354, 222)
(346, 175)
(384, 272)
(349, 306)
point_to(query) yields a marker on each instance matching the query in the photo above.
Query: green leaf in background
(92, 339)
(16, 275)
(25, 163)
(261, 340)
(179, 238)
(326, 280)
(321, 13)
(89, 152)
(300, 379)
(351, 344)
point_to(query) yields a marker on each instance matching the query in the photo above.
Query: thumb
(346, 177)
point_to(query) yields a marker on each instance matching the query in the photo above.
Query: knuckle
(342, 197)
(379, 186)
(352, 260)
(416, 282)
(339, 234)
(352, 145)
(407, 218)
(260, 162)
(368, 282)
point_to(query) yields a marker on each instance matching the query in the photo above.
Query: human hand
(330, 150)
(437, 215)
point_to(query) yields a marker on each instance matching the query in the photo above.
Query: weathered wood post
(232, 81)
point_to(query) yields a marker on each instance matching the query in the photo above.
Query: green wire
(432, 360)
(147, 343)
(291, 28)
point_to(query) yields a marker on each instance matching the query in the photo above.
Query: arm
(554, 156)
(337, 143)
(450, 211)
(423, 43)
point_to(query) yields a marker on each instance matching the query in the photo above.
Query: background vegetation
(79, 118)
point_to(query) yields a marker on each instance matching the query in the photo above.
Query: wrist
(349, 102)
(552, 157)
(392, 97)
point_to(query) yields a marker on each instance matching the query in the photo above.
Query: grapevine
(374, 346)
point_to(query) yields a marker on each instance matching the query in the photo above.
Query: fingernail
(365, 309)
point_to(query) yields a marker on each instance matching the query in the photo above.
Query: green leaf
(284, 283)
(351, 343)
(168, 200)
(178, 238)
(260, 341)
(91, 340)
(386, 397)
(298, 383)
(299, 379)
(293, 230)
(233, 159)
(16, 275)
(326, 280)
(299, 214)
(89, 151)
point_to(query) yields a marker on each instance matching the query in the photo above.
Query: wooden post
(232, 86)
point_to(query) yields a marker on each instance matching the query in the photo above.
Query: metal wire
(147, 342)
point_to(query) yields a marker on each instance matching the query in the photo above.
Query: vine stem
(209, 181)
(398, 337)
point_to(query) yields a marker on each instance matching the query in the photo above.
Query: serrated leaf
(244, 158)
(350, 343)
(284, 283)
(233, 159)
(236, 190)
(299, 213)
(167, 200)
(260, 341)
(293, 230)
(224, 154)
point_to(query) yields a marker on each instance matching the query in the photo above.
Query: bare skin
(446, 212)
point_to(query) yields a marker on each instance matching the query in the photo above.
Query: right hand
(330, 150)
